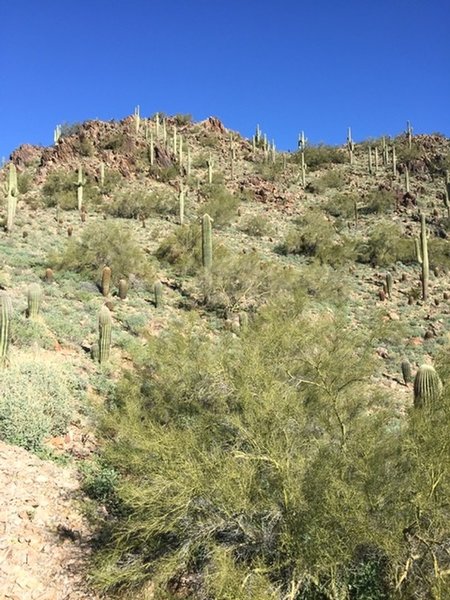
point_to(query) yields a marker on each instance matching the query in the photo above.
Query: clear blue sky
(316, 65)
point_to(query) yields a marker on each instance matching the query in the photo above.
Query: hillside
(298, 306)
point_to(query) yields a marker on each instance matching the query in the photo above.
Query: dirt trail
(43, 537)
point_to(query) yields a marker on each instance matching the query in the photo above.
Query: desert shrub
(132, 204)
(321, 155)
(37, 400)
(115, 142)
(329, 180)
(60, 189)
(24, 182)
(315, 236)
(378, 201)
(243, 281)
(164, 174)
(385, 245)
(182, 249)
(220, 205)
(181, 119)
(266, 466)
(342, 205)
(269, 171)
(105, 243)
(257, 226)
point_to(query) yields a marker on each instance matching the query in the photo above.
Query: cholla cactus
(34, 297)
(427, 387)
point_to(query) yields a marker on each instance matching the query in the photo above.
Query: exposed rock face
(26, 155)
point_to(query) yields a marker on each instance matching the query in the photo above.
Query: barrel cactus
(104, 334)
(5, 325)
(427, 386)
(34, 297)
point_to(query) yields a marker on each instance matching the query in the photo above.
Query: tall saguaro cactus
(424, 248)
(5, 326)
(80, 184)
(12, 193)
(207, 242)
(350, 144)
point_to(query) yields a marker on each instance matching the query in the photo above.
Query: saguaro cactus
(210, 168)
(350, 144)
(106, 280)
(12, 193)
(389, 283)
(80, 184)
(424, 248)
(427, 386)
(207, 242)
(5, 326)
(104, 334)
(181, 197)
(34, 297)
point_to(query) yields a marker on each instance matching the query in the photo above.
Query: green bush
(182, 249)
(220, 205)
(315, 236)
(134, 204)
(329, 180)
(385, 246)
(243, 281)
(378, 201)
(105, 243)
(257, 226)
(37, 400)
(342, 205)
(60, 189)
(321, 155)
(252, 464)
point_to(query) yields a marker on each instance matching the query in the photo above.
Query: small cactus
(49, 276)
(106, 280)
(34, 297)
(104, 334)
(389, 283)
(158, 292)
(5, 326)
(427, 386)
(123, 289)
(406, 371)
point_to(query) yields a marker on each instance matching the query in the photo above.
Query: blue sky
(317, 65)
